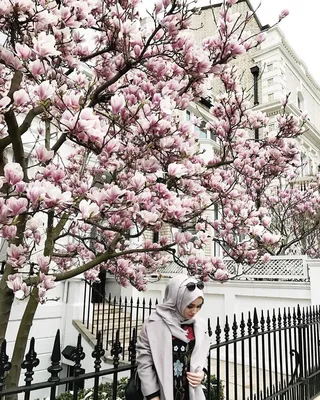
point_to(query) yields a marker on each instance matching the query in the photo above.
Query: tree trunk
(12, 379)
(6, 300)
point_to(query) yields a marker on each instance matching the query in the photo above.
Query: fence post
(30, 362)
(132, 349)
(115, 352)
(5, 364)
(209, 365)
(98, 353)
(55, 368)
(77, 357)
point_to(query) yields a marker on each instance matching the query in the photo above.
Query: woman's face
(192, 309)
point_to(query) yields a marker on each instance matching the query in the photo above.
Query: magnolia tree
(93, 153)
(295, 218)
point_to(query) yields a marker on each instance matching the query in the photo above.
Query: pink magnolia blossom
(9, 232)
(176, 170)
(88, 210)
(117, 103)
(261, 37)
(55, 197)
(23, 51)
(16, 256)
(4, 101)
(20, 97)
(44, 45)
(13, 173)
(17, 206)
(37, 67)
(221, 275)
(20, 187)
(284, 13)
(19, 288)
(35, 193)
(43, 154)
(43, 262)
(47, 281)
(149, 217)
(92, 275)
(45, 90)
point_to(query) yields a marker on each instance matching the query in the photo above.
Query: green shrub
(105, 391)
(214, 389)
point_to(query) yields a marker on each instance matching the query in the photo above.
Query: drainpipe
(255, 72)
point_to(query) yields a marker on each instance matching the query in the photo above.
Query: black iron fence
(78, 378)
(271, 356)
(107, 315)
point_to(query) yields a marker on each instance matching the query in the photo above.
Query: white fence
(285, 268)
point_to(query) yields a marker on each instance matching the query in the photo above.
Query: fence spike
(55, 368)
(249, 324)
(235, 327)
(98, 352)
(255, 321)
(30, 362)
(268, 321)
(77, 356)
(284, 317)
(274, 319)
(116, 350)
(308, 315)
(226, 329)
(242, 325)
(298, 312)
(262, 321)
(279, 319)
(5, 364)
(218, 331)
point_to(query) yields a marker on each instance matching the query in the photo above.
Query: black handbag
(133, 389)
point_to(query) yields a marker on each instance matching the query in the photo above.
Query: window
(155, 237)
(300, 101)
(203, 132)
(304, 164)
(270, 96)
(270, 82)
(269, 67)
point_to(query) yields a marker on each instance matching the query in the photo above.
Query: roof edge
(262, 27)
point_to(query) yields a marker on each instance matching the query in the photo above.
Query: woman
(173, 346)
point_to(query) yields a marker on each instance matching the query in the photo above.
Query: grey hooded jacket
(154, 357)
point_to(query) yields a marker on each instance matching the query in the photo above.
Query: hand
(195, 378)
